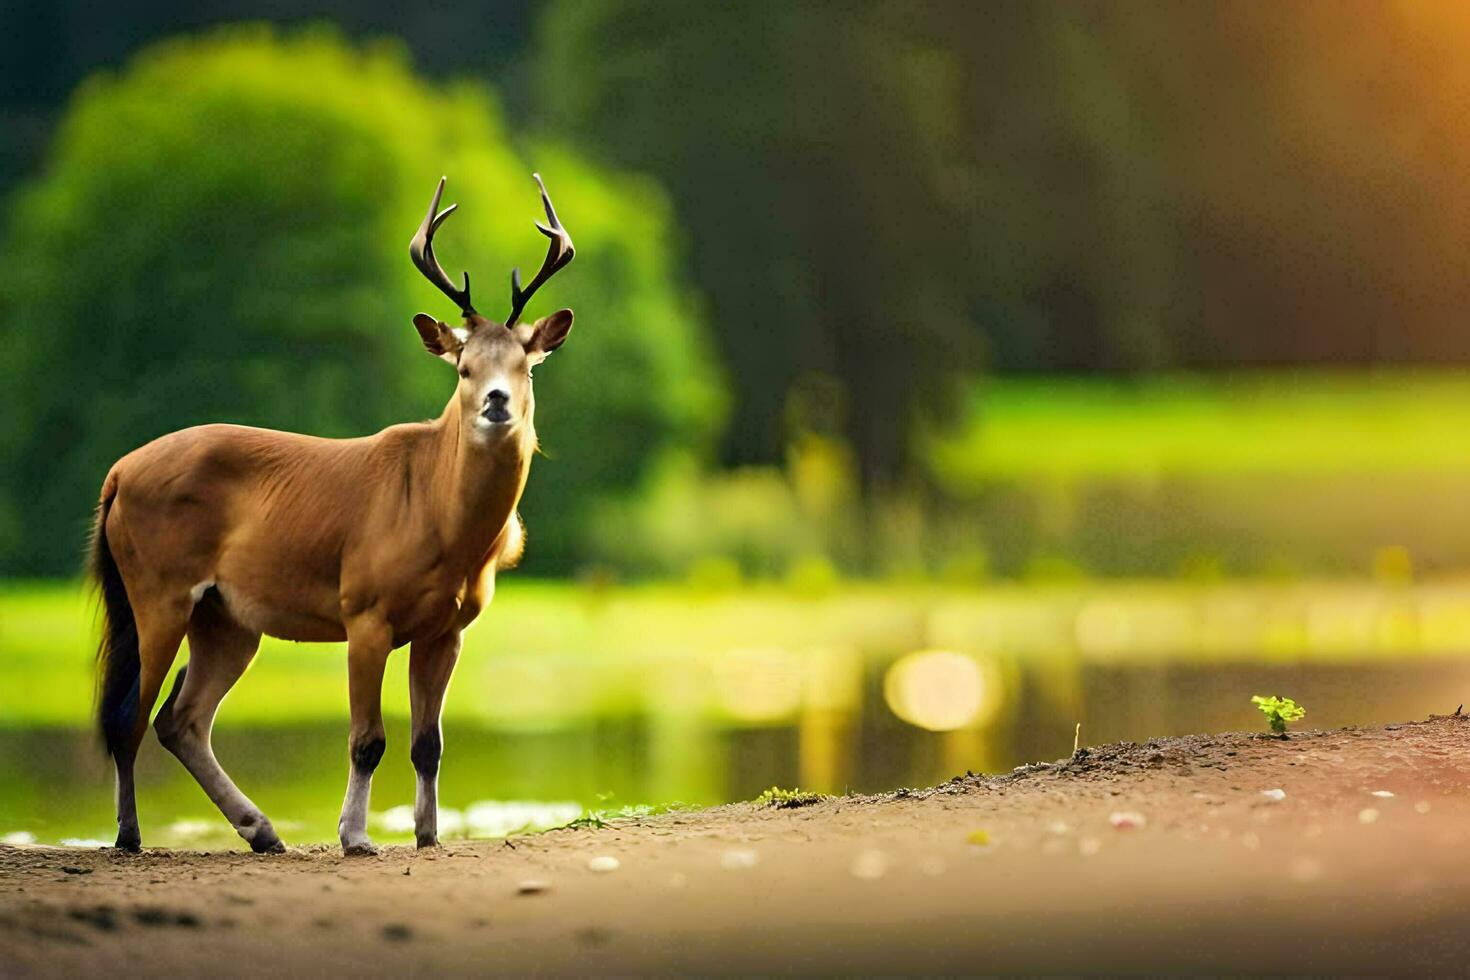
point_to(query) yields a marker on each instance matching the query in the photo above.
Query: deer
(225, 533)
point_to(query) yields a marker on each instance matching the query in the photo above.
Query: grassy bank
(1255, 423)
(547, 653)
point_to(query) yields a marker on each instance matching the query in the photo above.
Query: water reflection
(568, 698)
(485, 818)
(831, 720)
(941, 691)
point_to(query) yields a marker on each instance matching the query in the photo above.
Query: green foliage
(591, 820)
(1069, 188)
(1210, 475)
(1242, 423)
(1280, 712)
(798, 524)
(810, 150)
(601, 817)
(220, 234)
(710, 527)
(777, 798)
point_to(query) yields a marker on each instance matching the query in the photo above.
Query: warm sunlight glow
(942, 691)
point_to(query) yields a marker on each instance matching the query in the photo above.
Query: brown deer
(222, 533)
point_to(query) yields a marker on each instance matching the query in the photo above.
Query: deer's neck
(476, 487)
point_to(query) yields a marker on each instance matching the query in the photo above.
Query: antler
(421, 250)
(558, 254)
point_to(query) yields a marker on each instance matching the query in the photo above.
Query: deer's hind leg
(219, 651)
(160, 631)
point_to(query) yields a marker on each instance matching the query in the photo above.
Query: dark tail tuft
(118, 666)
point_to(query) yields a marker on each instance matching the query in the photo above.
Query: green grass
(1290, 422)
(598, 818)
(777, 798)
(543, 656)
(546, 656)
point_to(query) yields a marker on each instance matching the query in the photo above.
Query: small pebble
(738, 859)
(1127, 819)
(532, 886)
(603, 863)
(1367, 815)
(980, 838)
(1383, 794)
(1274, 795)
(1422, 806)
(1058, 827)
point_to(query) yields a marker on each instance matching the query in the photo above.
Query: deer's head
(494, 359)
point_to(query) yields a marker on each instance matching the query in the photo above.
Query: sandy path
(1219, 877)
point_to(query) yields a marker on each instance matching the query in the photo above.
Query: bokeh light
(943, 691)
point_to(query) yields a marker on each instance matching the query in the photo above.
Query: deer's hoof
(361, 849)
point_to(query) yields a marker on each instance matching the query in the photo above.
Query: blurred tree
(1212, 183)
(220, 235)
(874, 191)
(51, 45)
(1071, 212)
(810, 151)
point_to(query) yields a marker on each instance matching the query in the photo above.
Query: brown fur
(381, 541)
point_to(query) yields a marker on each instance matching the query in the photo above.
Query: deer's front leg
(429, 665)
(368, 645)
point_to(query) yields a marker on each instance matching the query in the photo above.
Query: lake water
(869, 731)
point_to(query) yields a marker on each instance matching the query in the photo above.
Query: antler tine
(558, 253)
(421, 250)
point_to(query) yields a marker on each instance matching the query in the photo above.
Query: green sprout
(1280, 712)
(777, 798)
(590, 820)
(603, 816)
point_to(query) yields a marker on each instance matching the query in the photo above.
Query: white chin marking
(489, 431)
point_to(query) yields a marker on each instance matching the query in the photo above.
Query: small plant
(591, 820)
(777, 798)
(1280, 712)
(604, 816)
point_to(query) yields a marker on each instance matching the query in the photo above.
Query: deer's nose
(496, 402)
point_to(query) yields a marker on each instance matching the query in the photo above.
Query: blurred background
(945, 375)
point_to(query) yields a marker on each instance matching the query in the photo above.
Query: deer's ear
(547, 334)
(439, 339)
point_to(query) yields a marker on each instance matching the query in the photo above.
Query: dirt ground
(1343, 851)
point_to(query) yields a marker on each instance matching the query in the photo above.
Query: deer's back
(262, 516)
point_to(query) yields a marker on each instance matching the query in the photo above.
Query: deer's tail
(118, 666)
